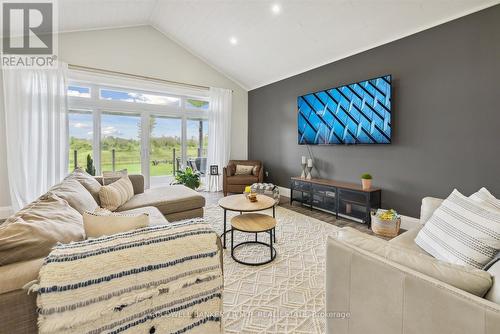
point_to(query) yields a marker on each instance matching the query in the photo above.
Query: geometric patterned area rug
(286, 295)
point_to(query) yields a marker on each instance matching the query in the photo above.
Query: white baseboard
(407, 222)
(5, 212)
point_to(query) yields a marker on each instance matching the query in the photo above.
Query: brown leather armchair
(236, 183)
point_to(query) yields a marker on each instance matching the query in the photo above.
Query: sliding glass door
(80, 138)
(197, 144)
(165, 149)
(120, 142)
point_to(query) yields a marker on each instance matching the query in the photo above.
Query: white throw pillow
(116, 194)
(485, 197)
(462, 231)
(243, 170)
(102, 223)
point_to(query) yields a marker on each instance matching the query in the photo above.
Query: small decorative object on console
(366, 181)
(303, 164)
(309, 169)
(386, 223)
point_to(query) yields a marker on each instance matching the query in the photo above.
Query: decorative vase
(366, 184)
(308, 173)
(303, 175)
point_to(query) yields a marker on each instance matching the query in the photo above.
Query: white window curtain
(36, 131)
(219, 129)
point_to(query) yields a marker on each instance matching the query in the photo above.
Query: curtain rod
(133, 76)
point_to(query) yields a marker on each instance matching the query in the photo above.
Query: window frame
(98, 106)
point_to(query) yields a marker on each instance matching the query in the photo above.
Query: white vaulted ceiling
(269, 46)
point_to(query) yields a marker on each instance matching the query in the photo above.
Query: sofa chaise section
(175, 202)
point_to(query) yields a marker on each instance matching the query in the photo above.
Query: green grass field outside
(127, 155)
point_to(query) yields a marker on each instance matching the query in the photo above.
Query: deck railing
(176, 161)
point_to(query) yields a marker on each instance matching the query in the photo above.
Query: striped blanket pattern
(160, 279)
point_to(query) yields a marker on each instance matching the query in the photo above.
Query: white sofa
(394, 287)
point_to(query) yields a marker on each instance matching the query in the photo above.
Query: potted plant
(90, 165)
(366, 181)
(188, 177)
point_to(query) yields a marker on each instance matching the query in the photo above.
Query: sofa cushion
(33, 231)
(231, 169)
(462, 231)
(429, 205)
(169, 199)
(256, 170)
(16, 275)
(109, 177)
(87, 181)
(116, 194)
(494, 292)
(155, 216)
(407, 240)
(242, 179)
(97, 224)
(469, 279)
(75, 194)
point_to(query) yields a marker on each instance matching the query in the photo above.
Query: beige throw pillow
(116, 194)
(102, 223)
(87, 181)
(110, 177)
(32, 232)
(243, 170)
(77, 196)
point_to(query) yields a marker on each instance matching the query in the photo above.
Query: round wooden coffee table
(240, 203)
(253, 223)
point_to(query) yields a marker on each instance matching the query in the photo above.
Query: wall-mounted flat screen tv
(359, 113)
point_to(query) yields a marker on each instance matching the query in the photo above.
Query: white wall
(143, 51)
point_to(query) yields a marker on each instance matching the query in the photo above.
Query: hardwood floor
(213, 198)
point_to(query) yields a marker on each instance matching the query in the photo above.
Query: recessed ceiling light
(233, 40)
(276, 9)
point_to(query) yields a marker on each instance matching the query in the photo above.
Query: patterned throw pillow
(116, 194)
(485, 197)
(243, 170)
(462, 231)
(103, 222)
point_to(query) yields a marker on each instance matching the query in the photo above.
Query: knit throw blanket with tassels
(161, 279)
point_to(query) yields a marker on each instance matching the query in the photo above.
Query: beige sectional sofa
(17, 308)
(394, 287)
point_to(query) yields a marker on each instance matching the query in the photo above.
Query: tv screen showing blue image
(359, 113)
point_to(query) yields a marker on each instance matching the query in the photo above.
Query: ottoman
(267, 189)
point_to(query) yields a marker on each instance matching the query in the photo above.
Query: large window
(121, 142)
(145, 129)
(80, 138)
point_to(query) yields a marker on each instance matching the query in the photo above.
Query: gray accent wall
(446, 116)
